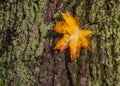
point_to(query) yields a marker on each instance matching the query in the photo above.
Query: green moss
(104, 42)
(25, 21)
(22, 74)
(26, 18)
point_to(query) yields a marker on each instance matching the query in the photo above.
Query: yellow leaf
(73, 36)
(62, 43)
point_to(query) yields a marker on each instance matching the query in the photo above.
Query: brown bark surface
(27, 57)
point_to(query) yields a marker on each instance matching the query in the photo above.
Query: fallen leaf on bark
(73, 36)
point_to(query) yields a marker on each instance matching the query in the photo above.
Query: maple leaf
(73, 36)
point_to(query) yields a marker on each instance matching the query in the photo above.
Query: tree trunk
(27, 57)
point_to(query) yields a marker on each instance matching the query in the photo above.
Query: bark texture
(27, 57)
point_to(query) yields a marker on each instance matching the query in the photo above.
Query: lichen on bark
(22, 37)
(26, 44)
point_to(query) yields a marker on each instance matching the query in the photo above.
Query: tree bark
(27, 57)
